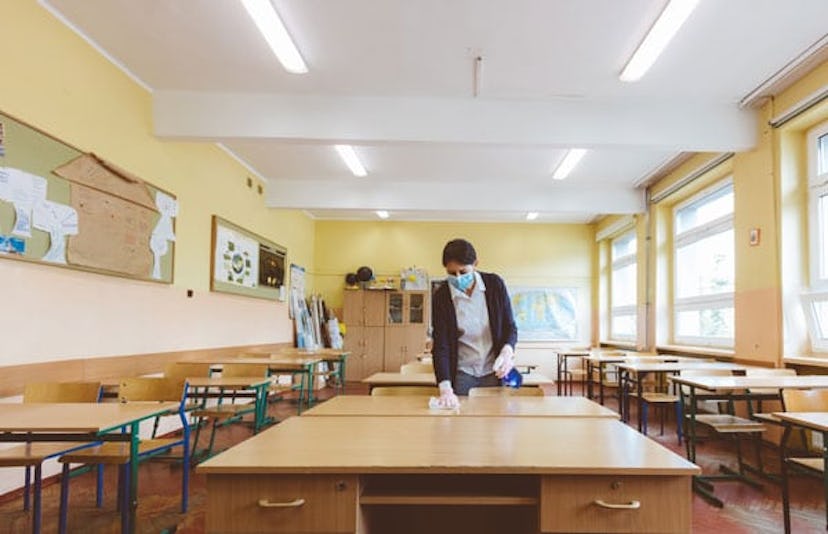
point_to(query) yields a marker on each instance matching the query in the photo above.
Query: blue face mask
(462, 281)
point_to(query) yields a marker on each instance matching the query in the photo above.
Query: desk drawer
(568, 503)
(329, 503)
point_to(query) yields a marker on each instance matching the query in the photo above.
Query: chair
(657, 392)
(224, 413)
(31, 455)
(402, 391)
(794, 400)
(118, 453)
(412, 368)
(506, 392)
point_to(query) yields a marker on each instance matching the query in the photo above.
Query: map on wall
(545, 313)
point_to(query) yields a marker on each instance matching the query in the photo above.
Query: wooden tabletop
(729, 383)
(665, 358)
(273, 361)
(427, 379)
(77, 417)
(507, 445)
(813, 420)
(362, 405)
(325, 353)
(674, 367)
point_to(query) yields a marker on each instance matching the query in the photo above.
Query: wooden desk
(602, 360)
(818, 422)
(428, 379)
(438, 474)
(259, 387)
(641, 369)
(89, 422)
(362, 405)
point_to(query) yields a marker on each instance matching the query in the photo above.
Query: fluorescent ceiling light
(657, 39)
(349, 156)
(572, 157)
(267, 20)
(532, 215)
(382, 214)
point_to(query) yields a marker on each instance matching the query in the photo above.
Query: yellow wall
(524, 254)
(55, 81)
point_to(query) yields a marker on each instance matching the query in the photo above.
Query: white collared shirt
(474, 346)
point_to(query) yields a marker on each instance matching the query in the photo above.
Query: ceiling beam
(449, 195)
(677, 125)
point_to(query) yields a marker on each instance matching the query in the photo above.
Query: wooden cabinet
(385, 329)
(366, 345)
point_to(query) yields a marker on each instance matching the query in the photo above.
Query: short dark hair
(459, 250)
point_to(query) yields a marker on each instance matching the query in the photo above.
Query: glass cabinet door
(395, 308)
(416, 308)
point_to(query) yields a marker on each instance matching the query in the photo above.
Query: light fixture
(572, 157)
(349, 156)
(270, 25)
(532, 215)
(382, 214)
(663, 30)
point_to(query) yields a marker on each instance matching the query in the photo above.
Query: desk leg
(640, 390)
(134, 429)
(621, 394)
(590, 369)
(36, 512)
(559, 373)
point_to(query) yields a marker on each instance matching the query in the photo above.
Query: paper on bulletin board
(236, 258)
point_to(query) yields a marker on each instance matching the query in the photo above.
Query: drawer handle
(296, 503)
(632, 505)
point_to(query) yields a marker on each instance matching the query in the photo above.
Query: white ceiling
(394, 78)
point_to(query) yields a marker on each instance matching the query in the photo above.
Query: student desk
(90, 422)
(428, 379)
(443, 474)
(733, 388)
(640, 370)
(362, 405)
(563, 357)
(818, 422)
(278, 363)
(600, 361)
(333, 357)
(235, 383)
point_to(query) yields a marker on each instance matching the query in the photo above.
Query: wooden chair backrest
(244, 369)
(181, 370)
(151, 389)
(62, 392)
(805, 400)
(506, 392)
(416, 368)
(402, 391)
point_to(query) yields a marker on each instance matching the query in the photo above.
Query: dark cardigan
(445, 332)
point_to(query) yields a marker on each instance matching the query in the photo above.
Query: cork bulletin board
(64, 207)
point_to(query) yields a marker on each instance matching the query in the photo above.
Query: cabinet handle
(632, 505)
(296, 503)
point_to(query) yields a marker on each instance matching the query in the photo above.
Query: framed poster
(245, 263)
(545, 313)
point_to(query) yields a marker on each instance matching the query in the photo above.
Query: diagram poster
(236, 258)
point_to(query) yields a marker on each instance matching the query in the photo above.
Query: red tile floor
(746, 510)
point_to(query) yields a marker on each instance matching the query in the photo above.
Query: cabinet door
(415, 340)
(374, 305)
(395, 308)
(355, 344)
(374, 346)
(353, 308)
(416, 309)
(395, 355)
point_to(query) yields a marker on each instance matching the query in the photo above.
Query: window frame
(818, 241)
(617, 264)
(688, 237)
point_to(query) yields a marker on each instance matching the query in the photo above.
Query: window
(704, 268)
(623, 287)
(816, 302)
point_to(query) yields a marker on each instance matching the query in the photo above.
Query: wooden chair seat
(34, 453)
(729, 424)
(225, 411)
(659, 398)
(116, 453)
(814, 464)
